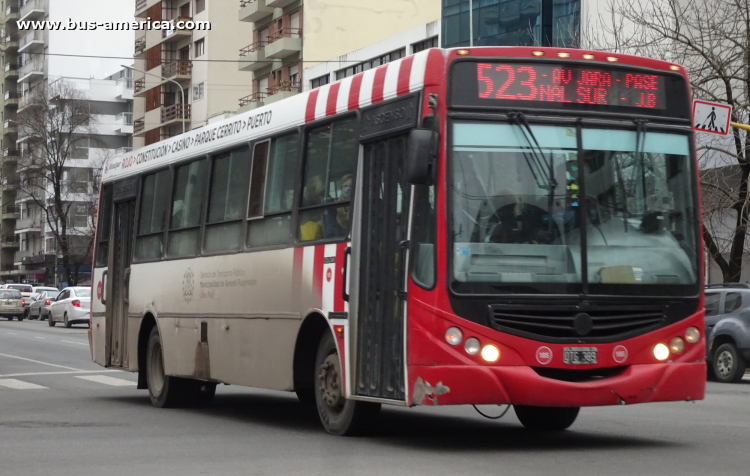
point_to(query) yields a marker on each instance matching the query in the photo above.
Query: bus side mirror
(421, 157)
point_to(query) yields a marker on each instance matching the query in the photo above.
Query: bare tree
(712, 40)
(55, 171)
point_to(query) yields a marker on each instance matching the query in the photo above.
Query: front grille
(576, 322)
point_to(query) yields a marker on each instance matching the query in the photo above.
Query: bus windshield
(516, 205)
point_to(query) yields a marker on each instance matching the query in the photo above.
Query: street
(62, 414)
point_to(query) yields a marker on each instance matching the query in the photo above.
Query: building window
(321, 81)
(425, 45)
(498, 23)
(200, 5)
(200, 48)
(198, 92)
(370, 64)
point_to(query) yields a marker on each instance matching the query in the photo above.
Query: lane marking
(78, 343)
(40, 362)
(33, 374)
(37, 337)
(115, 382)
(12, 333)
(19, 384)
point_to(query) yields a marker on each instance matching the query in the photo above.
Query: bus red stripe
(354, 92)
(338, 276)
(379, 85)
(333, 97)
(312, 101)
(318, 262)
(404, 76)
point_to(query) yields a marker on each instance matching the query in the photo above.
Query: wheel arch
(148, 322)
(310, 332)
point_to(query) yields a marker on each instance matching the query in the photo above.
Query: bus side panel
(98, 320)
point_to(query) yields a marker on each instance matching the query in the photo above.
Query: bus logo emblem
(620, 354)
(329, 275)
(188, 285)
(99, 290)
(544, 355)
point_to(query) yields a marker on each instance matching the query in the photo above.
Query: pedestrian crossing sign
(711, 117)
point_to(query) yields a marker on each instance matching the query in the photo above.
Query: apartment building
(182, 77)
(9, 13)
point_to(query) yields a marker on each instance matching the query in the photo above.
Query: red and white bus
(467, 226)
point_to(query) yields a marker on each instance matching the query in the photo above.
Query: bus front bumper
(521, 385)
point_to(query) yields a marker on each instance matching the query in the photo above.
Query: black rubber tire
(68, 325)
(50, 322)
(171, 392)
(306, 396)
(20, 318)
(10, 318)
(736, 364)
(546, 418)
(354, 417)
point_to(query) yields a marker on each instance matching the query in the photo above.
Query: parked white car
(72, 306)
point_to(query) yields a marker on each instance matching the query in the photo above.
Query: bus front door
(382, 259)
(117, 307)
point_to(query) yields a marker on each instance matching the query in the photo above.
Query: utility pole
(471, 23)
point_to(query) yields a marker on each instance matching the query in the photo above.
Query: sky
(92, 43)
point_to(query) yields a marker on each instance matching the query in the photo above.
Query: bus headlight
(692, 335)
(661, 352)
(677, 345)
(490, 353)
(472, 346)
(454, 336)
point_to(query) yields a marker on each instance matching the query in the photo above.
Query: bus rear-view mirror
(421, 156)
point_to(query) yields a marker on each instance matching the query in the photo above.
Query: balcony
(175, 113)
(10, 212)
(140, 46)
(254, 10)
(11, 155)
(139, 86)
(125, 123)
(31, 71)
(12, 98)
(139, 125)
(12, 14)
(10, 127)
(176, 34)
(252, 57)
(28, 225)
(284, 42)
(9, 242)
(31, 42)
(123, 150)
(11, 43)
(33, 10)
(177, 70)
(11, 71)
(141, 8)
(279, 3)
(283, 90)
(252, 101)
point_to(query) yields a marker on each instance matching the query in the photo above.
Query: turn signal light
(454, 336)
(472, 346)
(661, 352)
(692, 335)
(490, 353)
(76, 303)
(677, 345)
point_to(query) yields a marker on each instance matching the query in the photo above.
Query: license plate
(8, 303)
(579, 355)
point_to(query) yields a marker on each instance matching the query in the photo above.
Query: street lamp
(182, 91)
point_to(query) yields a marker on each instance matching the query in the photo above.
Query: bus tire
(546, 418)
(338, 415)
(164, 391)
(306, 396)
(728, 364)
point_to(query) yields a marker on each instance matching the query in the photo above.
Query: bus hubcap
(725, 363)
(330, 382)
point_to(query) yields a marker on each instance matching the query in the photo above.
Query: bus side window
(187, 204)
(424, 230)
(105, 221)
(330, 161)
(272, 192)
(227, 200)
(153, 215)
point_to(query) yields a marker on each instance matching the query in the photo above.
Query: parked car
(727, 331)
(11, 304)
(72, 306)
(26, 292)
(39, 307)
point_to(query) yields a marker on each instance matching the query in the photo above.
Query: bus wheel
(546, 418)
(163, 390)
(338, 415)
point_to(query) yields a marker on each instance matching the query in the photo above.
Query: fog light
(661, 352)
(677, 345)
(472, 346)
(692, 335)
(490, 353)
(454, 336)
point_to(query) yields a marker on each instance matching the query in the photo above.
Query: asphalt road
(62, 414)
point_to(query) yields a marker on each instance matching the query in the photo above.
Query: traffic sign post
(711, 117)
